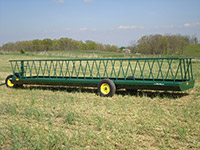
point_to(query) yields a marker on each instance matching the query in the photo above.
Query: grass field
(36, 117)
(192, 50)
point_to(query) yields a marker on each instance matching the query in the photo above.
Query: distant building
(126, 51)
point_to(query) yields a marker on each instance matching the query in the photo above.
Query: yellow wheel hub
(105, 88)
(10, 84)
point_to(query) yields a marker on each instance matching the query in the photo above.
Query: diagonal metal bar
(85, 69)
(119, 70)
(61, 69)
(40, 68)
(150, 69)
(29, 69)
(35, 69)
(177, 70)
(113, 69)
(128, 66)
(91, 73)
(79, 68)
(141, 72)
(121, 64)
(105, 68)
(73, 68)
(98, 73)
(16, 67)
(170, 69)
(160, 70)
(49, 70)
(135, 68)
(82, 69)
(67, 69)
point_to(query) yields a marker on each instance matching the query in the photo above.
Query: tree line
(148, 44)
(56, 45)
(162, 44)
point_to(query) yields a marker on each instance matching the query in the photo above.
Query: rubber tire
(19, 85)
(111, 86)
(6, 81)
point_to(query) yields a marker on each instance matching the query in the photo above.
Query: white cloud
(83, 29)
(168, 27)
(192, 24)
(171, 26)
(59, 1)
(130, 27)
(88, 1)
(87, 29)
(186, 25)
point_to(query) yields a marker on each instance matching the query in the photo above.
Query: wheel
(9, 82)
(106, 88)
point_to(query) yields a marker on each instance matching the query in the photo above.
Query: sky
(117, 22)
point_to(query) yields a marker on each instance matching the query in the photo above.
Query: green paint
(148, 73)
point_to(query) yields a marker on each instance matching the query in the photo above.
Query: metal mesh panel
(137, 68)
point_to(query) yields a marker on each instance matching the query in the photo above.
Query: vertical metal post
(181, 70)
(191, 68)
(22, 69)
(188, 69)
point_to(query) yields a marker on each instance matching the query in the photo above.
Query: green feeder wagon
(109, 74)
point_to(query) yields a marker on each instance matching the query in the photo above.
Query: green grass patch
(64, 118)
(192, 51)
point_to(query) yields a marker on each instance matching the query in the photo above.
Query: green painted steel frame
(144, 73)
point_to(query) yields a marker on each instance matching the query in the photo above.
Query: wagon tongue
(2, 84)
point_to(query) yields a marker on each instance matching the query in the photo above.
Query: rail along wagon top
(107, 74)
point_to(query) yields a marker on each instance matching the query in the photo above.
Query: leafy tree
(148, 44)
(121, 48)
(91, 45)
(160, 44)
(47, 44)
(37, 45)
(83, 46)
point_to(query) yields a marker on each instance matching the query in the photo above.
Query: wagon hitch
(2, 84)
